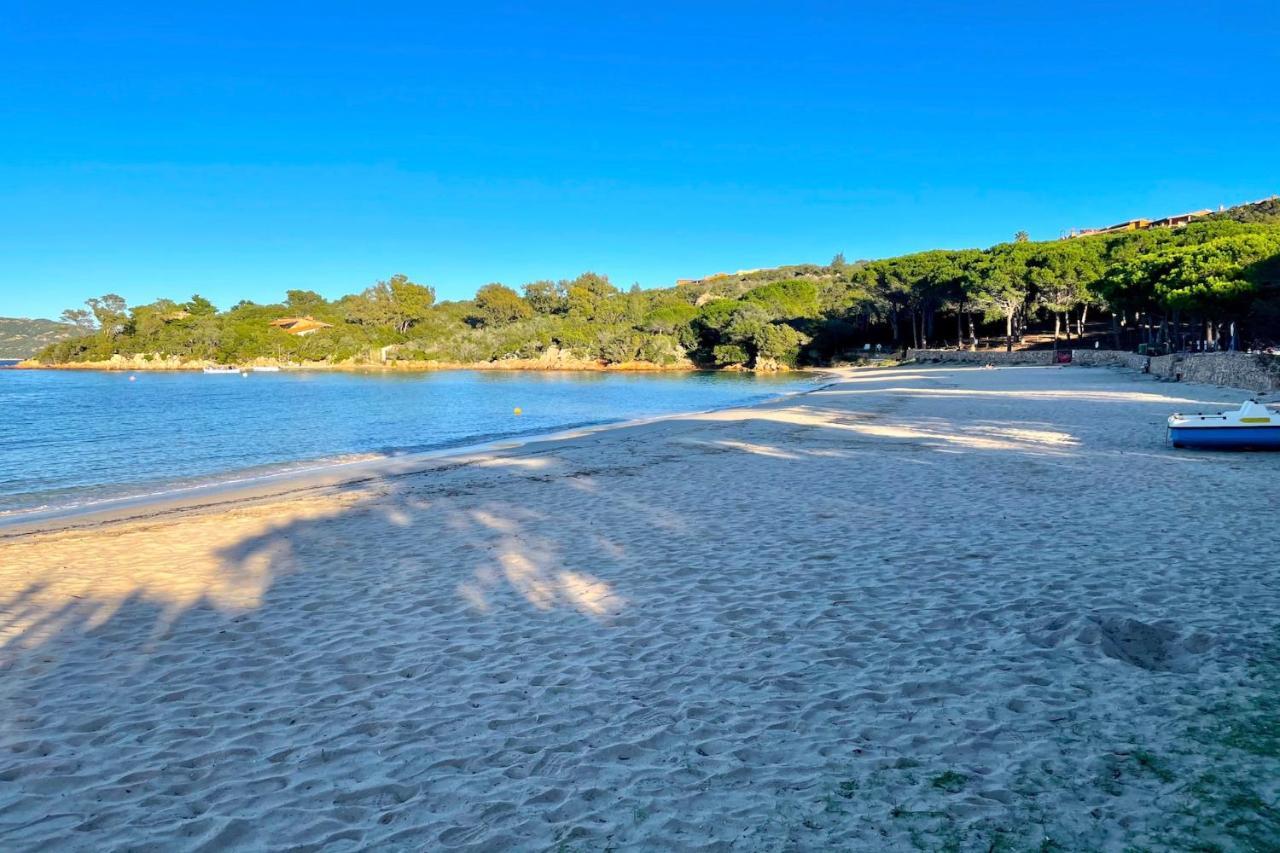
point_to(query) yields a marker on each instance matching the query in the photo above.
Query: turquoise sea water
(76, 438)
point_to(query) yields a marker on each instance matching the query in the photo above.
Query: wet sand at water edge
(920, 608)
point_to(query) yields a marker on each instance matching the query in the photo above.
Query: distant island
(21, 338)
(1208, 278)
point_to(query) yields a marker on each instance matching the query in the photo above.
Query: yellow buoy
(518, 411)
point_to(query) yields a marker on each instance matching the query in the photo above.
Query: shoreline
(355, 367)
(319, 474)
(138, 365)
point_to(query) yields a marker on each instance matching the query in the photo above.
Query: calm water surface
(73, 438)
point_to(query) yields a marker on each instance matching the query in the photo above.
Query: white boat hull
(1251, 427)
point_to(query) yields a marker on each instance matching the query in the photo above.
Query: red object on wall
(1062, 356)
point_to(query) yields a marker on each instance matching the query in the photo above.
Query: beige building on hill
(1176, 221)
(1180, 219)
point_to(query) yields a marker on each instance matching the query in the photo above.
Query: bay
(72, 438)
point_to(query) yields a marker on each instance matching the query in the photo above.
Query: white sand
(921, 608)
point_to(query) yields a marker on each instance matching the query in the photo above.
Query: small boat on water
(222, 370)
(1251, 427)
(270, 368)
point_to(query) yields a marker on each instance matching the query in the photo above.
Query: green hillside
(20, 338)
(1212, 283)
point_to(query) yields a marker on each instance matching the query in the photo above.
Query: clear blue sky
(240, 149)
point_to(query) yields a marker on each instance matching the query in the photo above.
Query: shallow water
(74, 438)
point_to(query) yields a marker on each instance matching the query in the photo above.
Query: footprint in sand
(1157, 646)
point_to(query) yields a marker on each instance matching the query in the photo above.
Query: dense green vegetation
(1163, 287)
(24, 338)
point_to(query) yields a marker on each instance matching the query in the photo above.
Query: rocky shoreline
(176, 365)
(552, 361)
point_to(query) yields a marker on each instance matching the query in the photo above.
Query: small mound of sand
(1157, 646)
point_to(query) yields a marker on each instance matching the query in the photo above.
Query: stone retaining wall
(1254, 372)
(1108, 358)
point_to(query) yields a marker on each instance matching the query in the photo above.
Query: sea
(71, 439)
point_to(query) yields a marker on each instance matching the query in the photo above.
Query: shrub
(662, 350)
(727, 354)
(786, 299)
(779, 342)
(499, 305)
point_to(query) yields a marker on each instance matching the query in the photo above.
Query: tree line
(1212, 283)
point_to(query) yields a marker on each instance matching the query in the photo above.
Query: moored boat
(222, 370)
(269, 368)
(1251, 427)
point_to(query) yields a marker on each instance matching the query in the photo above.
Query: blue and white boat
(1251, 427)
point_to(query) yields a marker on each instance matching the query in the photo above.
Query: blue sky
(238, 150)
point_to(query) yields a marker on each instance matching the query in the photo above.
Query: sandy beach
(920, 608)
